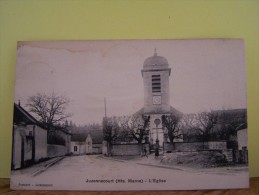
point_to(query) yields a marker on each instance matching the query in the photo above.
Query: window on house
(75, 148)
(156, 83)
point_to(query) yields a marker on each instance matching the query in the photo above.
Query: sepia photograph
(130, 115)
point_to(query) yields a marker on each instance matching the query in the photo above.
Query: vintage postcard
(130, 115)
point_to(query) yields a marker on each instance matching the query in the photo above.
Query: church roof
(155, 61)
(172, 111)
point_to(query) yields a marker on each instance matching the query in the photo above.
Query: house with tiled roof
(87, 143)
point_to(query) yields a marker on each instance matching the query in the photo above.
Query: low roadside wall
(128, 149)
(56, 150)
(195, 146)
(183, 146)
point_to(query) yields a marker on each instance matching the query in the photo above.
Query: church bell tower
(155, 75)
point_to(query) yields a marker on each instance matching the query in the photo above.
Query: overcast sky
(205, 75)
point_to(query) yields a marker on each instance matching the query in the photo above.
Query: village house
(242, 144)
(29, 139)
(87, 143)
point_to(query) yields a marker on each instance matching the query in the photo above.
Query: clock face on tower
(157, 100)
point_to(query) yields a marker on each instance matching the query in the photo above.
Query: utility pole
(105, 114)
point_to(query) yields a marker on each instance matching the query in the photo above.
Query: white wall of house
(89, 144)
(74, 148)
(242, 138)
(18, 133)
(77, 147)
(21, 141)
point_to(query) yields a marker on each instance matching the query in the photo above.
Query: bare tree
(124, 134)
(124, 128)
(204, 123)
(50, 110)
(172, 124)
(229, 121)
(110, 131)
(187, 126)
(136, 125)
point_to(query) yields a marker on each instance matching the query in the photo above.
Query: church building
(156, 74)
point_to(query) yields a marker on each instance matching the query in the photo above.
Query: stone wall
(229, 155)
(167, 146)
(217, 145)
(184, 146)
(56, 150)
(40, 143)
(97, 148)
(66, 137)
(128, 149)
(195, 146)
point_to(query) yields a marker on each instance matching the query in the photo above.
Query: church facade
(156, 74)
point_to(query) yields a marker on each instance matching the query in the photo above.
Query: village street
(94, 172)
